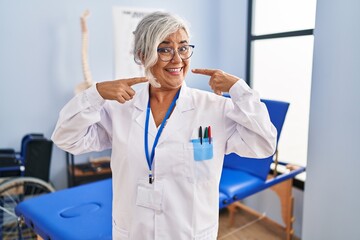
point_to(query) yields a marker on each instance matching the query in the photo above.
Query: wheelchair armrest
(8, 157)
(7, 151)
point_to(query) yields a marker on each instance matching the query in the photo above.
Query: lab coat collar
(140, 102)
(184, 103)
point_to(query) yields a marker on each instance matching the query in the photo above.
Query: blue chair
(243, 177)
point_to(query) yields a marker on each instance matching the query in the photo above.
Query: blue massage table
(80, 213)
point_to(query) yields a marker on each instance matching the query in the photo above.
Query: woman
(168, 140)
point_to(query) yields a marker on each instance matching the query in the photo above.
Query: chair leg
(284, 192)
(232, 211)
(232, 208)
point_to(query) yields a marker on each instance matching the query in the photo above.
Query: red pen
(209, 134)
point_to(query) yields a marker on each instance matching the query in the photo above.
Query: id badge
(149, 195)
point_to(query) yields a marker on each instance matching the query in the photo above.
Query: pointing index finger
(136, 80)
(208, 72)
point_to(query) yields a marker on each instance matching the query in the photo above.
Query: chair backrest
(27, 138)
(260, 167)
(36, 153)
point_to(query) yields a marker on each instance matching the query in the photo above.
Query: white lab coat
(183, 201)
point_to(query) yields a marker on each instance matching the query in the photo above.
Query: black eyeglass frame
(177, 51)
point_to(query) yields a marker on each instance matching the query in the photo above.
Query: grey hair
(149, 33)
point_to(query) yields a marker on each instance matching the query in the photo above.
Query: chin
(179, 84)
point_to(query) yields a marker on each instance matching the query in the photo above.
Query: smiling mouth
(174, 70)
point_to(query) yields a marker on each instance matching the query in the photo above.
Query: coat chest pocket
(202, 150)
(200, 157)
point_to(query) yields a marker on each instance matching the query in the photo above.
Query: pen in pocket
(200, 135)
(206, 133)
(209, 134)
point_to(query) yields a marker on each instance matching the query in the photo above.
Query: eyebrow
(168, 42)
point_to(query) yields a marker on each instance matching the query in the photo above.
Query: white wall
(331, 203)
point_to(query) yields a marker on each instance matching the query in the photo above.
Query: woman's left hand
(220, 81)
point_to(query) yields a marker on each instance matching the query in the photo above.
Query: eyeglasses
(167, 54)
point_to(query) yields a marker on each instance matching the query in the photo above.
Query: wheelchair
(23, 175)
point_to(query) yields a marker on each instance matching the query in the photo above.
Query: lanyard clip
(151, 178)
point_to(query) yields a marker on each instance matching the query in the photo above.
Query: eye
(164, 50)
(183, 49)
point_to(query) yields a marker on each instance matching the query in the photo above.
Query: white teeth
(173, 69)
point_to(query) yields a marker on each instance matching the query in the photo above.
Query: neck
(160, 101)
(162, 95)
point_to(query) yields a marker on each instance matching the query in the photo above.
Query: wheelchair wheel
(12, 192)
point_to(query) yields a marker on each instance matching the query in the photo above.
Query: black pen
(200, 134)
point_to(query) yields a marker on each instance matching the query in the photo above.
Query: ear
(141, 57)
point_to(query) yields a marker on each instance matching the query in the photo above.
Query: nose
(176, 58)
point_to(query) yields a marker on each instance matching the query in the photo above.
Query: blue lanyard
(150, 158)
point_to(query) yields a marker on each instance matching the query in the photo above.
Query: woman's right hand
(119, 90)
